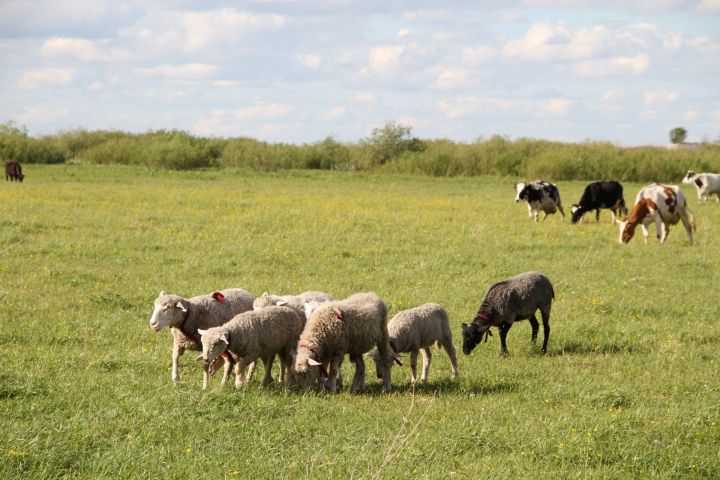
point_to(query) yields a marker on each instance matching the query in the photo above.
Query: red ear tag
(218, 296)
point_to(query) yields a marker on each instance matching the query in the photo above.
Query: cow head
(577, 214)
(520, 191)
(689, 177)
(627, 230)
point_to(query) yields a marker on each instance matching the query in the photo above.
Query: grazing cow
(540, 195)
(664, 204)
(599, 195)
(706, 184)
(13, 172)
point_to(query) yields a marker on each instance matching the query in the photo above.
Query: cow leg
(688, 226)
(614, 216)
(645, 231)
(597, 215)
(504, 329)
(659, 228)
(535, 327)
(530, 212)
(545, 312)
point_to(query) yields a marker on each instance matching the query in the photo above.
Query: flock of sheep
(312, 332)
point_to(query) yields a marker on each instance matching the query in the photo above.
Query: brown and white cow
(663, 204)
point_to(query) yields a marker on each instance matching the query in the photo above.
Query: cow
(599, 195)
(664, 204)
(13, 172)
(540, 195)
(706, 184)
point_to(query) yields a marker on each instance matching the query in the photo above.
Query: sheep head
(214, 343)
(169, 311)
(472, 335)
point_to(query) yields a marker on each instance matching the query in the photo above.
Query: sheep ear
(181, 306)
(314, 363)
(201, 331)
(265, 294)
(281, 303)
(224, 338)
(464, 326)
(162, 292)
(199, 357)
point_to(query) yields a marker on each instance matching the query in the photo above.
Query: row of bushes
(389, 149)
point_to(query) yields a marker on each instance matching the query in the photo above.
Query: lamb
(351, 326)
(516, 298)
(416, 330)
(256, 334)
(293, 301)
(185, 316)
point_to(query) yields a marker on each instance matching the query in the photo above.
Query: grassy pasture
(629, 388)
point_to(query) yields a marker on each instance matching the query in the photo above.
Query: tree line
(389, 149)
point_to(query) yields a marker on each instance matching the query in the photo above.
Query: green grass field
(629, 387)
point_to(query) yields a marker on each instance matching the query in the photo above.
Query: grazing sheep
(516, 298)
(185, 316)
(256, 334)
(351, 326)
(416, 330)
(293, 301)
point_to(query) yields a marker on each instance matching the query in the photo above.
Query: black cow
(599, 195)
(13, 172)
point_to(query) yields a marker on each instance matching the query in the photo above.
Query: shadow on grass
(602, 348)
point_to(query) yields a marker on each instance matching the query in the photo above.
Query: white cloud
(95, 87)
(691, 114)
(617, 66)
(189, 71)
(335, 113)
(708, 6)
(403, 32)
(451, 78)
(462, 107)
(74, 47)
(258, 119)
(41, 115)
(224, 83)
(551, 42)
(47, 76)
(660, 98)
(558, 107)
(386, 58)
(479, 54)
(366, 97)
(308, 60)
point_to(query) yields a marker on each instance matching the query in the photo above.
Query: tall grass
(388, 150)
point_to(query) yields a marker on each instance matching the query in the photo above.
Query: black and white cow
(706, 183)
(599, 195)
(540, 195)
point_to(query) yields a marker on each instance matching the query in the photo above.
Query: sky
(299, 71)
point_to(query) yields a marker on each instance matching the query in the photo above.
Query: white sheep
(255, 334)
(185, 316)
(351, 326)
(297, 302)
(415, 330)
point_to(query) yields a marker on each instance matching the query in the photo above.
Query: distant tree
(390, 141)
(678, 135)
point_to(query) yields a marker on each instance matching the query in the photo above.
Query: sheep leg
(251, 371)
(333, 373)
(240, 370)
(206, 376)
(413, 364)
(546, 327)
(383, 348)
(450, 349)
(504, 329)
(358, 384)
(178, 350)
(268, 361)
(227, 367)
(535, 327)
(427, 358)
